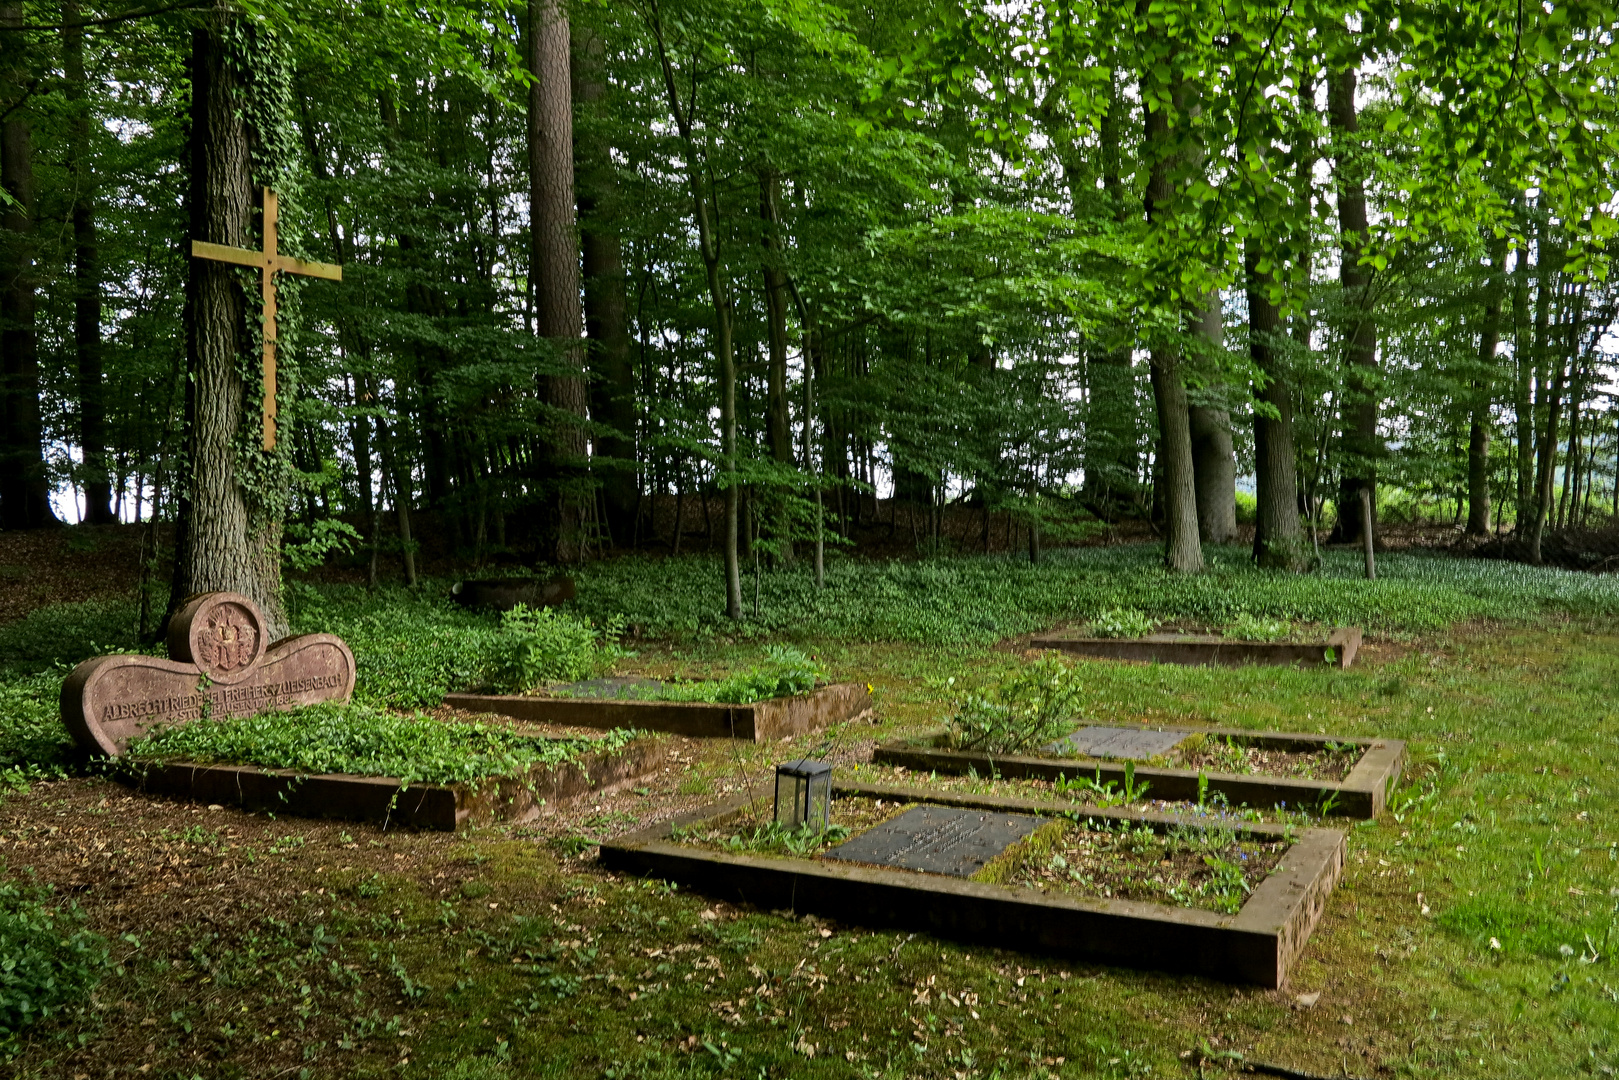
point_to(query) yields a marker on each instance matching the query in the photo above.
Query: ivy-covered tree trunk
(612, 383)
(554, 266)
(24, 488)
(229, 528)
(1361, 447)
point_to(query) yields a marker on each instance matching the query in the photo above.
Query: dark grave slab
(1112, 742)
(617, 689)
(938, 840)
(221, 663)
(1338, 650)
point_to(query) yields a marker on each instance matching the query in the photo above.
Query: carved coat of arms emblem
(229, 641)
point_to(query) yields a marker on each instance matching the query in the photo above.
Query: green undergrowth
(366, 741)
(49, 962)
(977, 600)
(783, 672)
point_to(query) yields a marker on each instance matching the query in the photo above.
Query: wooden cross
(268, 263)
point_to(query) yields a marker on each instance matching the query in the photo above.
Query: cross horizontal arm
(309, 269)
(241, 256)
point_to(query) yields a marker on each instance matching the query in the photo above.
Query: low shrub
(1247, 627)
(48, 961)
(542, 645)
(1028, 708)
(1121, 623)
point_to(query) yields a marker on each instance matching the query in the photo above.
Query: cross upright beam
(269, 262)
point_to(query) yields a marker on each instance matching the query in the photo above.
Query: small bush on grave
(1121, 623)
(1250, 627)
(48, 961)
(1026, 709)
(541, 645)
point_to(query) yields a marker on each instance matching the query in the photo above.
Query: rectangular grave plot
(1339, 650)
(1257, 945)
(1363, 793)
(443, 807)
(778, 718)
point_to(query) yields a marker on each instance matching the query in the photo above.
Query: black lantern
(804, 794)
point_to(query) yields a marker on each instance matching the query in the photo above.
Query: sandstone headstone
(937, 839)
(1107, 742)
(220, 664)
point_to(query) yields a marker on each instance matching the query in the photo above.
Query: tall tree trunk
(1522, 406)
(1478, 438)
(779, 416)
(1214, 461)
(1112, 458)
(1182, 551)
(24, 488)
(708, 248)
(1547, 464)
(227, 537)
(98, 508)
(1361, 448)
(1278, 538)
(612, 383)
(554, 267)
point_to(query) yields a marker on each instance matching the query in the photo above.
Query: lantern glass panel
(804, 795)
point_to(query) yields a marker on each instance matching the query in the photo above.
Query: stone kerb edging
(1339, 650)
(384, 800)
(1259, 944)
(220, 664)
(1363, 793)
(778, 718)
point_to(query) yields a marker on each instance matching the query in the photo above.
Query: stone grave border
(1344, 644)
(1363, 793)
(777, 718)
(1259, 944)
(443, 807)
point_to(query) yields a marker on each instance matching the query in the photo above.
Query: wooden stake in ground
(269, 262)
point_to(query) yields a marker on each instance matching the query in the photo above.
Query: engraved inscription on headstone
(937, 839)
(1108, 742)
(220, 664)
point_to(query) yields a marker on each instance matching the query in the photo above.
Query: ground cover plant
(48, 962)
(365, 741)
(961, 601)
(1188, 866)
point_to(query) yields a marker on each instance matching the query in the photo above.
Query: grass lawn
(1471, 934)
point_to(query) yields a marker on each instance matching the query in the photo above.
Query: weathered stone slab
(1112, 742)
(937, 840)
(220, 664)
(620, 689)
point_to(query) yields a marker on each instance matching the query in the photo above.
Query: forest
(1051, 266)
